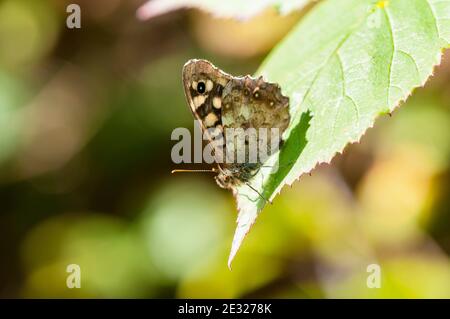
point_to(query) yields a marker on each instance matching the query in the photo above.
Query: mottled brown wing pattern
(254, 103)
(221, 101)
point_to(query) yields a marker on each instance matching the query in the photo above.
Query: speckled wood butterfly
(221, 101)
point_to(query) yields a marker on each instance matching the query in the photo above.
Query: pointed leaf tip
(344, 83)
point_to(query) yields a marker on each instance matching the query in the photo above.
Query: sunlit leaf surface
(345, 64)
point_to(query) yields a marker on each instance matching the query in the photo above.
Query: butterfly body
(236, 174)
(221, 102)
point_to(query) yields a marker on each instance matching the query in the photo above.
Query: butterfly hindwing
(253, 103)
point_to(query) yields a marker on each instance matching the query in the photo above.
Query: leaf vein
(438, 31)
(344, 90)
(391, 32)
(414, 61)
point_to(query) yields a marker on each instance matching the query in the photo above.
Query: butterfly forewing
(204, 85)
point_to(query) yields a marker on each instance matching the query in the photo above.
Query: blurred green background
(85, 122)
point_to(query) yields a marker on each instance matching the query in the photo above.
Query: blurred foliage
(11, 99)
(28, 30)
(235, 9)
(85, 123)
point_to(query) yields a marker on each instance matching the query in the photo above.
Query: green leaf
(220, 8)
(11, 117)
(347, 62)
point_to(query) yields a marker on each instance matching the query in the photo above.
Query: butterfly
(220, 101)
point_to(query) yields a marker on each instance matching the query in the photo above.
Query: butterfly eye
(201, 87)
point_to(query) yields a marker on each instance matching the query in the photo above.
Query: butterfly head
(225, 179)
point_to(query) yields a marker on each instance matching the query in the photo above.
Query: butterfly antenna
(213, 170)
(268, 201)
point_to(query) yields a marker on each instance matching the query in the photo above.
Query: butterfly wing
(203, 86)
(254, 103)
(220, 102)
